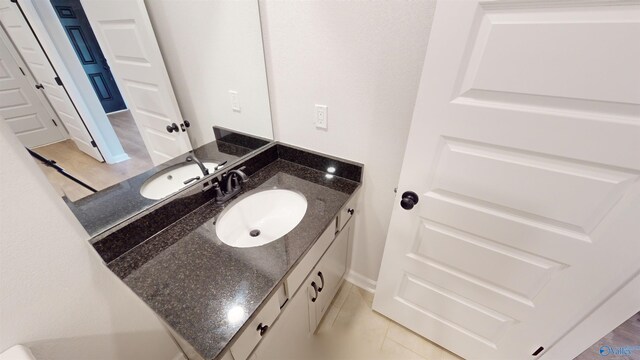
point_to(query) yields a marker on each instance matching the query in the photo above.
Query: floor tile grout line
(422, 338)
(386, 334)
(341, 305)
(406, 347)
(366, 304)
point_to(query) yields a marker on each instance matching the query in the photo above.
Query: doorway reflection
(99, 175)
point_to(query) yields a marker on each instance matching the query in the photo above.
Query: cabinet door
(289, 338)
(329, 271)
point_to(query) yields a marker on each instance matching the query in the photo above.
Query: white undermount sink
(171, 180)
(261, 218)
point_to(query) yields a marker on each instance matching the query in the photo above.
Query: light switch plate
(235, 102)
(321, 117)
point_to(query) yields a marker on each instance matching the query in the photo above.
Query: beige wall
(55, 294)
(363, 59)
(209, 48)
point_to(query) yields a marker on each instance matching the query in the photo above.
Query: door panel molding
(86, 48)
(126, 37)
(527, 162)
(21, 106)
(22, 36)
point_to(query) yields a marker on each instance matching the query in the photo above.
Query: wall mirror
(117, 100)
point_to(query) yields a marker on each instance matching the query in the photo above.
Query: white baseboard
(116, 159)
(361, 281)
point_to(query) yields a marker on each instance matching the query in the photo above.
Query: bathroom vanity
(241, 302)
(282, 328)
(297, 321)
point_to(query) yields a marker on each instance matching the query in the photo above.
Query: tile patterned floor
(352, 330)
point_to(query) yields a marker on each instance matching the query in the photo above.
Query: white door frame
(39, 14)
(29, 47)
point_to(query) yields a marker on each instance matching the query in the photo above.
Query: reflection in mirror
(123, 103)
(214, 54)
(127, 198)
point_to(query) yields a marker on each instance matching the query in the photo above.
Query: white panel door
(20, 105)
(524, 150)
(25, 41)
(127, 39)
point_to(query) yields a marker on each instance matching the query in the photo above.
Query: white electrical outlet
(235, 102)
(321, 117)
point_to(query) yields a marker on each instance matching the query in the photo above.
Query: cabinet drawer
(289, 338)
(347, 212)
(251, 335)
(303, 268)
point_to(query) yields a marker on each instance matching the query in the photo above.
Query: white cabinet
(311, 287)
(347, 211)
(297, 276)
(327, 276)
(292, 334)
(290, 337)
(257, 329)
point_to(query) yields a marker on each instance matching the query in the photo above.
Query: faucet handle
(220, 165)
(243, 176)
(216, 187)
(235, 184)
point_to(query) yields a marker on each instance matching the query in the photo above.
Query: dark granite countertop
(100, 211)
(192, 280)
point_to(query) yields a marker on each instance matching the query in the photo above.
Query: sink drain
(254, 233)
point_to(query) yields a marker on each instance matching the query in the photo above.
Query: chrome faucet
(203, 168)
